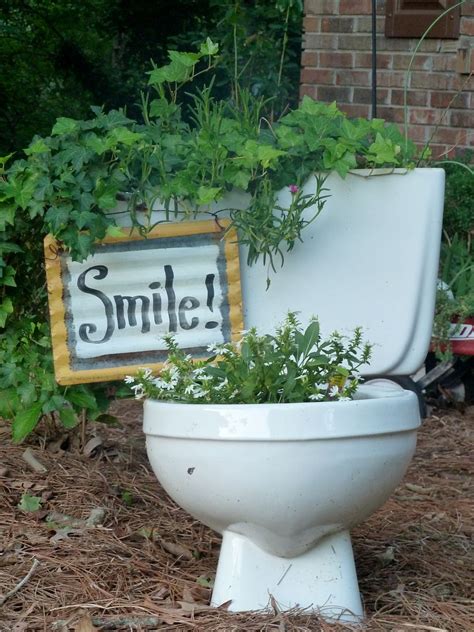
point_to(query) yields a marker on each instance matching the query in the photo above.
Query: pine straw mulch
(109, 550)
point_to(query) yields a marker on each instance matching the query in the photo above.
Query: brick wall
(336, 65)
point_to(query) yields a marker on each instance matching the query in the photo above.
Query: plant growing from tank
(293, 365)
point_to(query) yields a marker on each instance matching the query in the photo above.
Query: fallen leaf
(177, 549)
(146, 532)
(187, 595)
(57, 446)
(84, 624)
(63, 533)
(63, 520)
(92, 445)
(387, 556)
(161, 593)
(29, 503)
(96, 517)
(418, 489)
(194, 608)
(205, 582)
(33, 462)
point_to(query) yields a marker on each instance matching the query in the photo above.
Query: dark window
(411, 18)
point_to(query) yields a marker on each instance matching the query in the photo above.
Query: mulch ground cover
(108, 550)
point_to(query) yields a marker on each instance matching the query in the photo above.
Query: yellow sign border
(57, 309)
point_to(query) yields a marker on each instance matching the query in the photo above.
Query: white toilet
(284, 483)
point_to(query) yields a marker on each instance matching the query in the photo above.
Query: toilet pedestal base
(322, 580)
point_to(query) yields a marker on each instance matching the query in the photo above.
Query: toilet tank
(370, 259)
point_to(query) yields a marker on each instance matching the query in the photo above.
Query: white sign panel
(109, 313)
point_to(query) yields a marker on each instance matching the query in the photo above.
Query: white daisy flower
(129, 379)
(222, 384)
(159, 382)
(334, 391)
(138, 391)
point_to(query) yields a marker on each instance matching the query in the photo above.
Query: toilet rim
(375, 410)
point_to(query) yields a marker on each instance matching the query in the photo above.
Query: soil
(107, 549)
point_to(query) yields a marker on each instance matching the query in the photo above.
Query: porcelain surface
(283, 475)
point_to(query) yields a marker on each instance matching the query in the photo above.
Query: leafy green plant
(294, 365)
(28, 388)
(455, 298)
(260, 49)
(459, 197)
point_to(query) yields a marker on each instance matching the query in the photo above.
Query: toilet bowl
(284, 484)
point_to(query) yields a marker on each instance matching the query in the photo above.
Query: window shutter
(411, 18)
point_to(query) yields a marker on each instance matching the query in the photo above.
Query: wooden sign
(109, 313)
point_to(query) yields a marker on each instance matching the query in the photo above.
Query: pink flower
(293, 188)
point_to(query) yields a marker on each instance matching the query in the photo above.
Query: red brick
(354, 42)
(418, 133)
(447, 46)
(392, 114)
(390, 79)
(309, 91)
(439, 151)
(315, 41)
(355, 7)
(364, 95)
(450, 136)
(432, 80)
(353, 78)
(424, 116)
(337, 25)
(364, 60)
(309, 58)
(414, 97)
(317, 76)
(444, 62)
(461, 118)
(364, 24)
(334, 93)
(420, 62)
(449, 99)
(467, 8)
(321, 7)
(462, 83)
(467, 26)
(336, 60)
(407, 45)
(355, 110)
(311, 24)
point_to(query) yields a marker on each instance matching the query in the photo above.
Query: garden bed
(109, 550)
